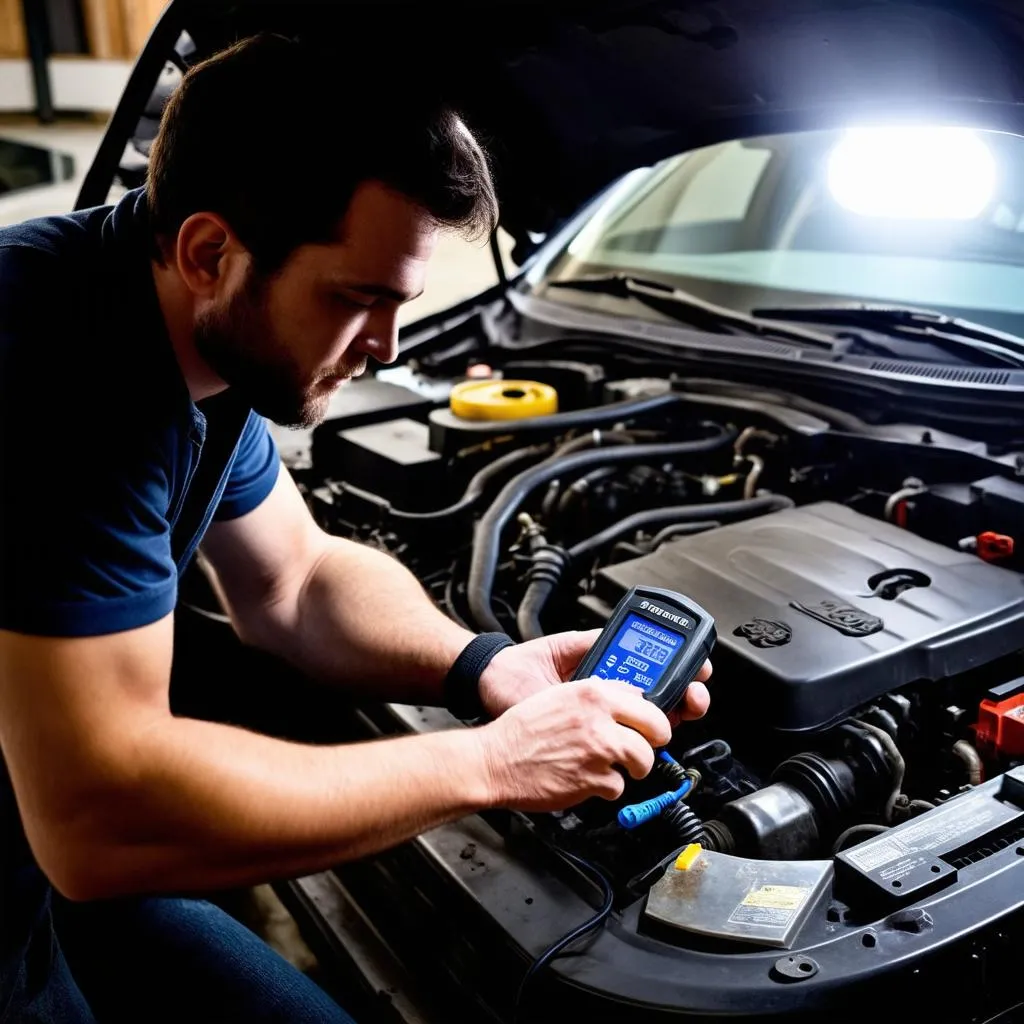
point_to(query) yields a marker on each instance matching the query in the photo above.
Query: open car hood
(570, 96)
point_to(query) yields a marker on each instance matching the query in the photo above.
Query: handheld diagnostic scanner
(656, 640)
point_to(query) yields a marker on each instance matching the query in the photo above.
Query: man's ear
(208, 254)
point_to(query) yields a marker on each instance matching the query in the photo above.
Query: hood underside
(570, 96)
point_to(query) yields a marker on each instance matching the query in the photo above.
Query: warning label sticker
(772, 905)
(937, 829)
(902, 868)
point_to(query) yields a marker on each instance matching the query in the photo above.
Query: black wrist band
(462, 684)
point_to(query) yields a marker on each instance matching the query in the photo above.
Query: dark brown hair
(275, 137)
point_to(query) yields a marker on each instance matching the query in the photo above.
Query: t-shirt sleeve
(254, 471)
(84, 536)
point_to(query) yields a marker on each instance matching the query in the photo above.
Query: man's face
(288, 341)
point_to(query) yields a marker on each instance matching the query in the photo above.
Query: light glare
(912, 172)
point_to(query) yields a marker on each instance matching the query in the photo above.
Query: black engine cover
(821, 609)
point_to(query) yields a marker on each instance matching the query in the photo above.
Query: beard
(239, 344)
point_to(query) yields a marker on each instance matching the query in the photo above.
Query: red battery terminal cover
(994, 547)
(1000, 726)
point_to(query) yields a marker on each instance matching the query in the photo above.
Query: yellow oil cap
(502, 399)
(687, 857)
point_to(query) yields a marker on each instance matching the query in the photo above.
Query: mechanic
(143, 347)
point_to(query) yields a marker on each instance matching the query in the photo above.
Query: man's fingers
(695, 704)
(611, 786)
(696, 701)
(570, 648)
(630, 708)
(636, 755)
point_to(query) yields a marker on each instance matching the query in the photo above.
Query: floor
(459, 270)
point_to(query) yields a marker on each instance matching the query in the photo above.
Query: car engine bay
(864, 578)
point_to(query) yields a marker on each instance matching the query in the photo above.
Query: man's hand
(518, 672)
(558, 748)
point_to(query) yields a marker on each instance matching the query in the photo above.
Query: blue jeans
(164, 960)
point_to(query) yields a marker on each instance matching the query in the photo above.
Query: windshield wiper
(690, 310)
(982, 345)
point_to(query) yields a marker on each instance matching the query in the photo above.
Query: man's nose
(379, 338)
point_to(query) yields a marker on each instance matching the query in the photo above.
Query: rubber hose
(487, 535)
(550, 499)
(477, 484)
(474, 489)
(673, 771)
(590, 440)
(757, 468)
(682, 530)
(871, 830)
(969, 756)
(581, 486)
(899, 766)
(549, 562)
(544, 580)
(688, 828)
(718, 837)
(722, 510)
(563, 422)
(836, 417)
(532, 604)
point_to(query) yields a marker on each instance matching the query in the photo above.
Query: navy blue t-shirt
(109, 472)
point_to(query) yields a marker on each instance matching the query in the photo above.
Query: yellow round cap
(502, 399)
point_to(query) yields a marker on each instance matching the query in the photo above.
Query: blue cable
(634, 815)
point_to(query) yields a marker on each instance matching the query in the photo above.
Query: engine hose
(577, 419)
(969, 756)
(899, 766)
(556, 502)
(581, 486)
(592, 439)
(474, 489)
(545, 579)
(836, 417)
(912, 488)
(548, 563)
(477, 484)
(487, 535)
(718, 837)
(756, 469)
(853, 830)
(688, 828)
(681, 530)
(673, 771)
(677, 514)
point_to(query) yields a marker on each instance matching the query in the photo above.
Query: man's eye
(351, 301)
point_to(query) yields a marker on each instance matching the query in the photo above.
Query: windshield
(924, 217)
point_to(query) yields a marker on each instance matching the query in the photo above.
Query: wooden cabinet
(118, 29)
(114, 29)
(104, 28)
(139, 17)
(12, 29)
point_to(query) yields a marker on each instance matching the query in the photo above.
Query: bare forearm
(213, 806)
(362, 620)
